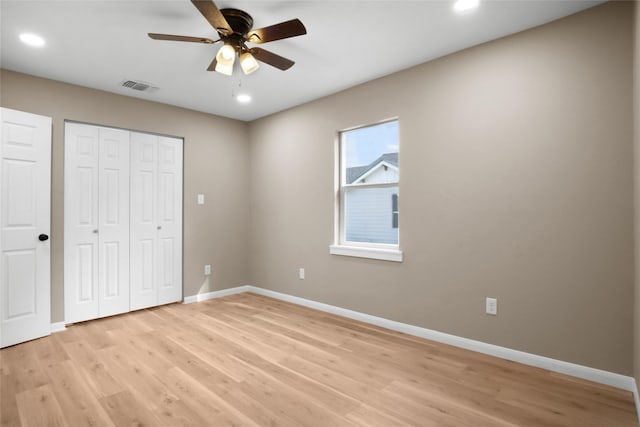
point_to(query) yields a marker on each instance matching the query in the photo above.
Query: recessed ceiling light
(465, 5)
(32, 39)
(243, 98)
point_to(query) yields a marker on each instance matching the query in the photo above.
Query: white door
(96, 242)
(156, 220)
(169, 220)
(25, 182)
(81, 156)
(113, 222)
(144, 202)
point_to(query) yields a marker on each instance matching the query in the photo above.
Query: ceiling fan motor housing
(239, 20)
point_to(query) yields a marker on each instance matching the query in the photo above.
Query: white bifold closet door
(156, 220)
(96, 218)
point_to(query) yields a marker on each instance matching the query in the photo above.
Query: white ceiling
(99, 44)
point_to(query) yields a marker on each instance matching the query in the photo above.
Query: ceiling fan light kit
(234, 27)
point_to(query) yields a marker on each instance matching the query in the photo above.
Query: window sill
(394, 255)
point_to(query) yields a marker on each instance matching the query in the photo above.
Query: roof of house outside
(355, 172)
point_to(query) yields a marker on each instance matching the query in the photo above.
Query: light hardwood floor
(248, 360)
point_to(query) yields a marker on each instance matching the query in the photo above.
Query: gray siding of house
(368, 216)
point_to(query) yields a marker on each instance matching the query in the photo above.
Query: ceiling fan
(234, 27)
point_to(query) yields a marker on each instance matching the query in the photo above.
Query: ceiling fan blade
(271, 58)
(212, 66)
(210, 11)
(280, 31)
(181, 38)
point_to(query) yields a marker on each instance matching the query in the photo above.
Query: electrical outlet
(492, 306)
(207, 270)
(301, 274)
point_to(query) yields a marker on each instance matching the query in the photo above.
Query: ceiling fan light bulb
(248, 63)
(226, 53)
(225, 68)
(225, 58)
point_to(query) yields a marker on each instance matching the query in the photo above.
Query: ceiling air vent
(138, 85)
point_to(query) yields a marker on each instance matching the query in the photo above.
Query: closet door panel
(113, 242)
(81, 222)
(143, 220)
(170, 219)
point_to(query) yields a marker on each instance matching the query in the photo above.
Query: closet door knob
(159, 227)
(43, 237)
(95, 231)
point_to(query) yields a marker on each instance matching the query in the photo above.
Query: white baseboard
(215, 294)
(592, 374)
(58, 327)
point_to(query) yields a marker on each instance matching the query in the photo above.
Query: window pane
(371, 154)
(367, 215)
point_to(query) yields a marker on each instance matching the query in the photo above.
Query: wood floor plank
(249, 360)
(366, 416)
(4, 367)
(79, 405)
(49, 351)
(99, 379)
(300, 382)
(125, 410)
(177, 356)
(95, 333)
(145, 385)
(434, 405)
(220, 359)
(256, 410)
(294, 407)
(207, 404)
(23, 363)
(80, 351)
(9, 414)
(39, 407)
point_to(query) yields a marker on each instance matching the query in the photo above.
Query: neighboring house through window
(368, 184)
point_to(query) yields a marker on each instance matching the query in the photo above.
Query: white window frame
(379, 251)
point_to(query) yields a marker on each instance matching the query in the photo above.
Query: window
(367, 211)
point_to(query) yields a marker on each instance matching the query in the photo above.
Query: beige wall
(516, 182)
(216, 160)
(636, 116)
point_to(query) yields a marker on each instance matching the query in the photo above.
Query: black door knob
(43, 237)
